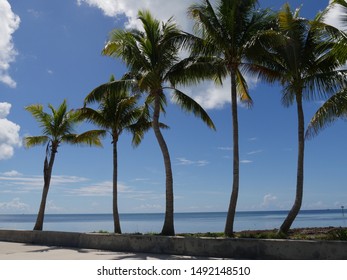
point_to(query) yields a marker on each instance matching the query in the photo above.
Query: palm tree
(151, 55)
(57, 128)
(338, 35)
(336, 106)
(117, 112)
(306, 65)
(224, 34)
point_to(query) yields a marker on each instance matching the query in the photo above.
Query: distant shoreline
(192, 222)
(189, 212)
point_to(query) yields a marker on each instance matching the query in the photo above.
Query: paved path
(22, 251)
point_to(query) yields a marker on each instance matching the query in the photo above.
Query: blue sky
(51, 51)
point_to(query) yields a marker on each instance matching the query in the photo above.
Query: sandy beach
(22, 251)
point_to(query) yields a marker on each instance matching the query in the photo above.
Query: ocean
(184, 222)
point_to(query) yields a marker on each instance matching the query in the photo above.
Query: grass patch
(101, 231)
(322, 233)
(205, 234)
(273, 234)
(338, 234)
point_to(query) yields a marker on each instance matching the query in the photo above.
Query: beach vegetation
(223, 35)
(336, 106)
(338, 234)
(58, 127)
(101, 231)
(307, 68)
(232, 40)
(118, 111)
(203, 234)
(320, 233)
(151, 55)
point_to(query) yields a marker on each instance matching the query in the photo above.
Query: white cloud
(4, 109)
(51, 206)
(34, 13)
(162, 10)
(207, 94)
(339, 204)
(269, 200)
(15, 182)
(246, 161)
(255, 152)
(99, 189)
(212, 96)
(64, 179)
(12, 173)
(9, 23)
(184, 161)
(334, 17)
(9, 133)
(145, 207)
(21, 184)
(140, 179)
(201, 162)
(14, 205)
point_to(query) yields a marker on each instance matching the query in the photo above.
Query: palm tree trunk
(47, 175)
(116, 220)
(168, 227)
(300, 170)
(229, 225)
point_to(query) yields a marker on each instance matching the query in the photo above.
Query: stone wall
(240, 248)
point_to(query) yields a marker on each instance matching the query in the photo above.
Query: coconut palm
(306, 65)
(117, 112)
(224, 33)
(57, 128)
(334, 108)
(151, 55)
(339, 36)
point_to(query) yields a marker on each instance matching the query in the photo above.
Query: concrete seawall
(240, 248)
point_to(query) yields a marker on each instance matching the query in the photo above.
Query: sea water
(184, 222)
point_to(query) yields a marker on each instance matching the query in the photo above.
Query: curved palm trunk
(168, 227)
(229, 225)
(300, 170)
(116, 220)
(47, 175)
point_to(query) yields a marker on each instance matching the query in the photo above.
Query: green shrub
(338, 234)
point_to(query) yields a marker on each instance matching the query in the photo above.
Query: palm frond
(31, 141)
(90, 138)
(335, 107)
(94, 116)
(190, 105)
(323, 85)
(99, 92)
(41, 117)
(192, 70)
(58, 126)
(141, 126)
(242, 89)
